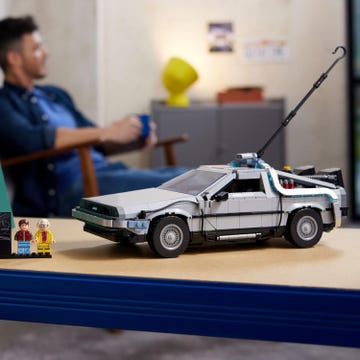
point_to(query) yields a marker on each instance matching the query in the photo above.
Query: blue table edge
(324, 316)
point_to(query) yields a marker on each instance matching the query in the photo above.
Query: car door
(257, 206)
(223, 211)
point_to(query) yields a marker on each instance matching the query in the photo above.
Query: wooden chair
(90, 183)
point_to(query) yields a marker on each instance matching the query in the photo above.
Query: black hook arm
(293, 112)
(325, 74)
(339, 58)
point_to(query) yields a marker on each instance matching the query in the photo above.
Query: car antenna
(293, 112)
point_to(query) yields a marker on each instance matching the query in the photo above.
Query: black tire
(169, 236)
(304, 228)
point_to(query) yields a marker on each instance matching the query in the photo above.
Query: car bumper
(136, 226)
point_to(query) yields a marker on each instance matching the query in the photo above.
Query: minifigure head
(43, 224)
(21, 48)
(24, 224)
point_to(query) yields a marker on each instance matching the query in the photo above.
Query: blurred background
(110, 55)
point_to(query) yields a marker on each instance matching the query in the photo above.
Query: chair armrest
(44, 154)
(87, 166)
(110, 148)
(167, 144)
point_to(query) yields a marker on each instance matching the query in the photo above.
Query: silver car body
(217, 203)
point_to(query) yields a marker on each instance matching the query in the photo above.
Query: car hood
(130, 204)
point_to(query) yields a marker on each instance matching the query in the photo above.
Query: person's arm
(122, 132)
(111, 147)
(19, 135)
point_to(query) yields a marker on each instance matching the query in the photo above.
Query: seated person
(36, 117)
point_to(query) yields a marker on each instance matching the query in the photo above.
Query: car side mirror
(205, 196)
(221, 196)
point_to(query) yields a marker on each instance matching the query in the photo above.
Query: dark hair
(23, 221)
(11, 31)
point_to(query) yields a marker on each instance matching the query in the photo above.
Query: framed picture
(220, 37)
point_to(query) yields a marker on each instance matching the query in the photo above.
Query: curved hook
(337, 59)
(343, 49)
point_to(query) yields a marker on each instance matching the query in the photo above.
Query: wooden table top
(334, 262)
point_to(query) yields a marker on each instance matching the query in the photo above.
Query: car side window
(244, 185)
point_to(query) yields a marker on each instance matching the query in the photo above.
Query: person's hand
(123, 131)
(152, 139)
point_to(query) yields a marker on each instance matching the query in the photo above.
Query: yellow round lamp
(178, 76)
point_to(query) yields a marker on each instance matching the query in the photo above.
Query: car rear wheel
(169, 236)
(304, 228)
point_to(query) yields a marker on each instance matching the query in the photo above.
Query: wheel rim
(171, 237)
(307, 228)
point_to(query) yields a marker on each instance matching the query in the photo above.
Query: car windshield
(192, 182)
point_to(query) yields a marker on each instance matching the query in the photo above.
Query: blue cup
(145, 119)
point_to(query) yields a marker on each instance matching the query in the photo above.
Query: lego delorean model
(247, 199)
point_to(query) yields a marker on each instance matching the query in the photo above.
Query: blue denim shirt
(25, 128)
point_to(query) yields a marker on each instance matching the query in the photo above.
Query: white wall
(141, 35)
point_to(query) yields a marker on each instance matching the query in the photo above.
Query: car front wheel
(304, 228)
(169, 236)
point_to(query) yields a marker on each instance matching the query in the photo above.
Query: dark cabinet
(218, 132)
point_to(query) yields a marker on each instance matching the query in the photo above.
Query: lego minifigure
(24, 238)
(44, 238)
